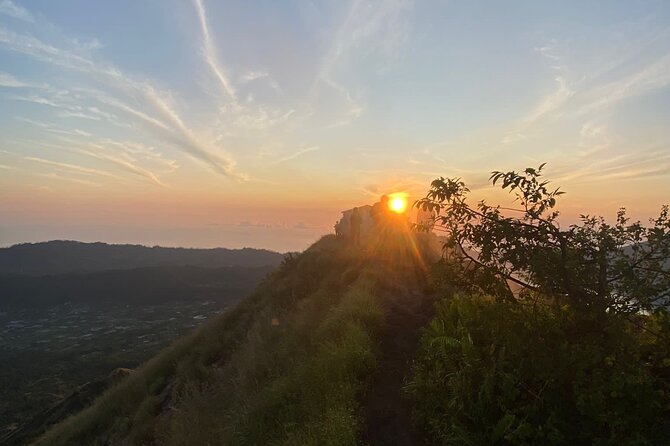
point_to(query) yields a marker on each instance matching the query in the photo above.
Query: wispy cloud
(136, 151)
(210, 53)
(55, 176)
(128, 156)
(11, 9)
(547, 106)
(52, 128)
(70, 167)
(253, 75)
(297, 154)
(551, 103)
(654, 76)
(593, 167)
(238, 117)
(366, 30)
(99, 152)
(68, 102)
(167, 124)
(387, 183)
(9, 81)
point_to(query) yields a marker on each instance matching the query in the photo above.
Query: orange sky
(180, 123)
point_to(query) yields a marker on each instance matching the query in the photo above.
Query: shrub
(490, 372)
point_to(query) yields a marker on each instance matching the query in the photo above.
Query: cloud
(589, 165)
(52, 128)
(128, 155)
(135, 151)
(253, 75)
(296, 154)
(70, 167)
(9, 8)
(210, 54)
(67, 103)
(513, 138)
(167, 124)
(9, 81)
(654, 76)
(388, 183)
(368, 29)
(36, 100)
(550, 103)
(238, 117)
(56, 176)
(587, 97)
(550, 51)
(77, 114)
(98, 152)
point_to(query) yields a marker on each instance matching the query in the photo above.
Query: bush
(490, 372)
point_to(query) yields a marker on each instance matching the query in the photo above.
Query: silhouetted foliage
(524, 251)
(545, 334)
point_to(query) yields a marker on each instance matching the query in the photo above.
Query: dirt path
(387, 412)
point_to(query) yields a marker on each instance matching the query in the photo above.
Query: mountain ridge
(287, 365)
(66, 256)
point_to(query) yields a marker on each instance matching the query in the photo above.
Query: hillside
(61, 331)
(288, 365)
(58, 257)
(378, 345)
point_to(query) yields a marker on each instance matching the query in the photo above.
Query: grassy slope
(285, 367)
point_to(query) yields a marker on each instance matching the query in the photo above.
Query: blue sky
(207, 123)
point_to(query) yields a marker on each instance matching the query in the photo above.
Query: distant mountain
(139, 286)
(58, 257)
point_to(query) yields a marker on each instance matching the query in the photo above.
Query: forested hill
(57, 257)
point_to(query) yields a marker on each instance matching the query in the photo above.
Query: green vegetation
(493, 373)
(51, 351)
(295, 383)
(562, 337)
(286, 366)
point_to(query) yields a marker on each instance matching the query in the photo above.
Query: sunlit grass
(286, 367)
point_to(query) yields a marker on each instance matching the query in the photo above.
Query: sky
(209, 123)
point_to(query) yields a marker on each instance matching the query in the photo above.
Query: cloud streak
(9, 81)
(210, 54)
(70, 167)
(297, 154)
(9, 8)
(167, 124)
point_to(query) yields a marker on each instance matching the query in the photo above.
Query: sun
(398, 204)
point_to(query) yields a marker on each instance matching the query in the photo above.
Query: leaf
(502, 426)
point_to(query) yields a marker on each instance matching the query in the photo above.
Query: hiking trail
(386, 409)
